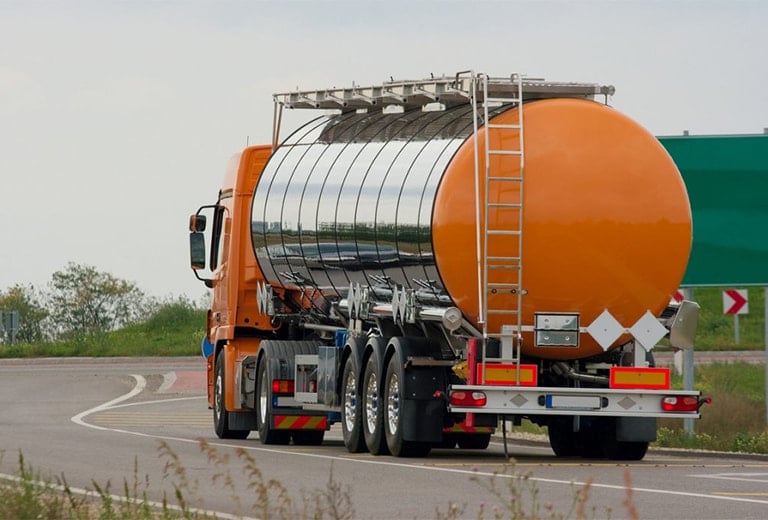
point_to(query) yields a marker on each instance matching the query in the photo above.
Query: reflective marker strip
(641, 378)
(506, 374)
(300, 422)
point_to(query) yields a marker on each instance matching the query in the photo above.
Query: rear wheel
(372, 408)
(351, 412)
(563, 440)
(474, 441)
(220, 413)
(619, 450)
(448, 442)
(393, 425)
(622, 450)
(267, 434)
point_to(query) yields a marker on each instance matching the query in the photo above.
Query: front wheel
(267, 434)
(220, 413)
(308, 437)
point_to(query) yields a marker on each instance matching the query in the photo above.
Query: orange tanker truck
(429, 260)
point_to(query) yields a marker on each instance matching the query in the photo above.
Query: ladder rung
(505, 100)
(503, 258)
(504, 126)
(503, 232)
(500, 335)
(504, 205)
(496, 178)
(505, 152)
(503, 285)
(503, 311)
(510, 267)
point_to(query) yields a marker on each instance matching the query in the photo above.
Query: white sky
(117, 118)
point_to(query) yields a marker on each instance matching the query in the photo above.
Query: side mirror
(197, 249)
(197, 223)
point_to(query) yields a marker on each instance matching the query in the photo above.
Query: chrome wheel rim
(393, 403)
(263, 400)
(217, 397)
(350, 402)
(371, 403)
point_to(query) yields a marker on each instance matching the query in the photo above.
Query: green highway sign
(727, 181)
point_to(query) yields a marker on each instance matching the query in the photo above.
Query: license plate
(573, 402)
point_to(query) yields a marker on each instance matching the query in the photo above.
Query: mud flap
(422, 413)
(635, 429)
(241, 421)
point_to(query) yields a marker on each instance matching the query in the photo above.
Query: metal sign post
(13, 325)
(9, 326)
(688, 368)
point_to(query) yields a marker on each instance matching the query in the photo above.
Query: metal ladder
(502, 230)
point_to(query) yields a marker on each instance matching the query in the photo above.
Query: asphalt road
(125, 420)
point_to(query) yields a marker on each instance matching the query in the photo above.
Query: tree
(32, 314)
(85, 301)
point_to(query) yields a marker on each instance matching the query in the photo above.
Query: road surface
(119, 420)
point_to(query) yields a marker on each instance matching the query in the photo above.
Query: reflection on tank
(336, 255)
(349, 199)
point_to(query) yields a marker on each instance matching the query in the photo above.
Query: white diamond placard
(648, 331)
(605, 329)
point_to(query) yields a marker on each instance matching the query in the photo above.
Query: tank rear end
(607, 223)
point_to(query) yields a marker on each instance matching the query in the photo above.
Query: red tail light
(680, 403)
(282, 386)
(464, 398)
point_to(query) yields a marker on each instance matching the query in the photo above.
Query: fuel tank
(389, 200)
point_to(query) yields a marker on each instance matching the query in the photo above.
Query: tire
(625, 450)
(563, 440)
(449, 441)
(308, 437)
(372, 409)
(351, 409)
(267, 434)
(622, 450)
(592, 445)
(474, 441)
(393, 426)
(220, 413)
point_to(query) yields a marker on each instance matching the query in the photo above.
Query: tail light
(282, 387)
(680, 403)
(464, 398)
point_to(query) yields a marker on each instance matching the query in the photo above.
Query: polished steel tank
(388, 200)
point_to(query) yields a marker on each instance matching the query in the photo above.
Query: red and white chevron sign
(735, 301)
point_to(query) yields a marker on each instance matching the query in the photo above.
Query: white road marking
(741, 477)
(141, 383)
(168, 379)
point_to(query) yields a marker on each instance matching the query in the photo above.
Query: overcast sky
(117, 118)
